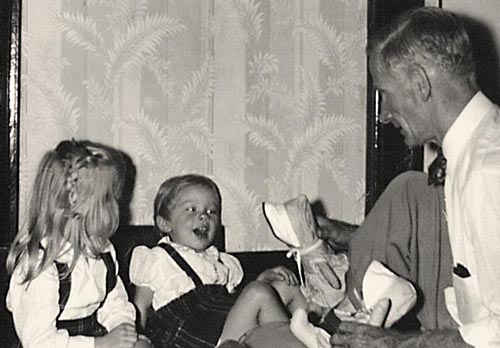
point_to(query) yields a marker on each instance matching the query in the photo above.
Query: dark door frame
(386, 153)
(10, 43)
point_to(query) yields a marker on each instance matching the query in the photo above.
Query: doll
(386, 296)
(321, 270)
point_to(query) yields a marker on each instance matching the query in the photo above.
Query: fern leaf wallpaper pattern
(267, 97)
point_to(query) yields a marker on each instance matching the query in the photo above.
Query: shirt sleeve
(485, 235)
(235, 275)
(154, 269)
(35, 308)
(142, 265)
(116, 309)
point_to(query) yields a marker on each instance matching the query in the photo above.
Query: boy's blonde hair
(169, 190)
(74, 199)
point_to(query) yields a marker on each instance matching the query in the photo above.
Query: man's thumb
(379, 312)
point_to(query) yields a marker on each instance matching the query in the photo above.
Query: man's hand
(336, 233)
(279, 273)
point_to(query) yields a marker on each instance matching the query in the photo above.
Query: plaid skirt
(88, 326)
(194, 320)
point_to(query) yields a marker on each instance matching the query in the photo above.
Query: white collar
(211, 251)
(66, 253)
(462, 128)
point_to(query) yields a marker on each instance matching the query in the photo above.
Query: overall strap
(111, 275)
(182, 263)
(65, 281)
(64, 285)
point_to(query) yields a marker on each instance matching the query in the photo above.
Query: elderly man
(447, 246)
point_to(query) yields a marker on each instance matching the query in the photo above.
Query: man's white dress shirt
(472, 192)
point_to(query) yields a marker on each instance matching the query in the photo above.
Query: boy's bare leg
(258, 303)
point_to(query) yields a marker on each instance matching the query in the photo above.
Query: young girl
(190, 284)
(64, 290)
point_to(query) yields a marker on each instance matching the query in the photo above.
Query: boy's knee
(287, 292)
(280, 285)
(258, 290)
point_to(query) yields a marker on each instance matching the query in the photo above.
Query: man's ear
(420, 82)
(163, 225)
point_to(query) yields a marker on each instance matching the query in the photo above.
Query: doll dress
(193, 320)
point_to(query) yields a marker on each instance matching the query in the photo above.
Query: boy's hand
(279, 273)
(122, 336)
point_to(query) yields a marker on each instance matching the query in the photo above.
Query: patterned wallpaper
(267, 97)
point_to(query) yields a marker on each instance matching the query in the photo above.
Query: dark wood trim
(386, 153)
(10, 43)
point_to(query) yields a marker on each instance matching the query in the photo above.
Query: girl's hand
(122, 336)
(143, 342)
(279, 273)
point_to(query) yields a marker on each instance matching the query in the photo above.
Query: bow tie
(437, 170)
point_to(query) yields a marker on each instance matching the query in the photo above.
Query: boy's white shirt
(35, 305)
(168, 281)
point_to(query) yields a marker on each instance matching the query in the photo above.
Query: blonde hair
(74, 199)
(168, 191)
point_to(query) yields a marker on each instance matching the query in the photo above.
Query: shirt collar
(210, 251)
(67, 251)
(462, 128)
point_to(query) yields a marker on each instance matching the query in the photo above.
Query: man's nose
(203, 215)
(385, 117)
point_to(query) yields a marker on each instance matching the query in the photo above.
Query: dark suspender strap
(111, 275)
(65, 282)
(182, 263)
(64, 285)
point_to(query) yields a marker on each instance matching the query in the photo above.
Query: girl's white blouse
(35, 306)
